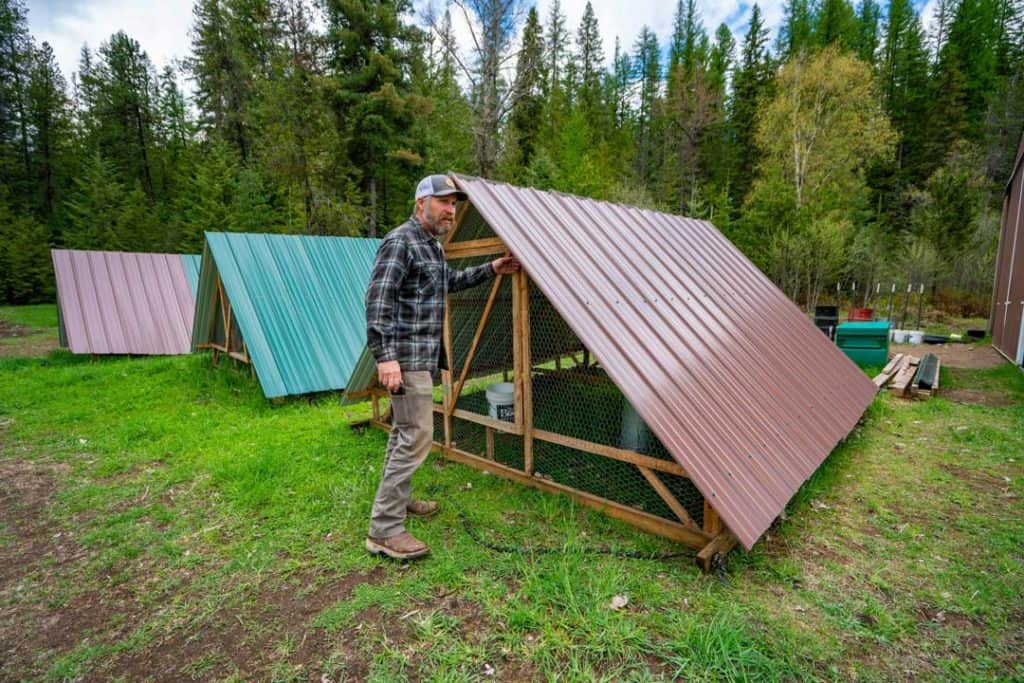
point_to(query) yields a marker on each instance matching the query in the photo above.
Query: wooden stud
(523, 284)
(712, 522)
(447, 401)
(489, 445)
(460, 215)
(642, 520)
(622, 454)
(375, 403)
(659, 487)
(481, 325)
(518, 366)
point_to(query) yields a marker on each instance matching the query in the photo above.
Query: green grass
(38, 316)
(207, 532)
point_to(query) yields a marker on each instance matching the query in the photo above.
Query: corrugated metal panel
(298, 302)
(191, 264)
(117, 302)
(742, 389)
(1008, 290)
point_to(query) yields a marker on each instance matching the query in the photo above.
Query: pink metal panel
(1008, 290)
(114, 302)
(733, 378)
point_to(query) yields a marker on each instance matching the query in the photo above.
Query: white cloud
(161, 27)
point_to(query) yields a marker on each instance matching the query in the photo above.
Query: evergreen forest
(851, 144)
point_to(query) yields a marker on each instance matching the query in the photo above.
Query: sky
(162, 28)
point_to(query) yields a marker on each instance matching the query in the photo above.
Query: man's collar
(420, 231)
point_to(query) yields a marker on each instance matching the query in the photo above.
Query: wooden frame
(711, 538)
(227, 314)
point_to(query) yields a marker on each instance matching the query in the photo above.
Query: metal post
(920, 301)
(892, 294)
(906, 304)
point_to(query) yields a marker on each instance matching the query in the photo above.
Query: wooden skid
(901, 382)
(889, 371)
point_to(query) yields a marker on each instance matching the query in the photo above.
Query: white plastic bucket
(899, 336)
(915, 336)
(501, 401)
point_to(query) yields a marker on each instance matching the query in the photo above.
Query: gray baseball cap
(438, 185)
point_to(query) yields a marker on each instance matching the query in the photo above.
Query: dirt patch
(977, 397)
(273, 626)
(978, 480)
(968, 356)
(32, 344)
(8, 330)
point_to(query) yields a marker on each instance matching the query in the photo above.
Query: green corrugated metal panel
(191, 263)
(297, 300)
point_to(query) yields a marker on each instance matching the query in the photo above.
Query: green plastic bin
(865, 343)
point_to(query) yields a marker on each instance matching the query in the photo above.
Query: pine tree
(95, 207)
(647, 71)
(49, 116)
(836, 24)
(371, 52)
(867, 39)
(15, 56)
(590, 61)
(797, 30)
(447, 140)
(527, 111)
(752, 83)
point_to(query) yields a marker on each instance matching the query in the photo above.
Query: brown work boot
(423, 508)
(404, 546)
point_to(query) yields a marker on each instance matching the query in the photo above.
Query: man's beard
(435, 226)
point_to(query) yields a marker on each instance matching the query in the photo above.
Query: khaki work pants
(412, 431)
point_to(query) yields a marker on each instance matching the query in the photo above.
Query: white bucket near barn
(899, 336)
(501, 401)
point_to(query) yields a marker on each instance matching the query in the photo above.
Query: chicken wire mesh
(572, 396)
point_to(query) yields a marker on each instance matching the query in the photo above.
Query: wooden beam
(484, 317)
(720, 544)
(447, 400)
(622, 454)
(659, 487)
(712, 522)
(519, 366)
(484, 420)
(523, 284)
(489, 442)
(642, 520)
(482, 247)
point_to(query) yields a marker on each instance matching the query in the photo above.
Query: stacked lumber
(908, 376)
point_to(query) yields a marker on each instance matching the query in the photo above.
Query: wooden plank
(484, 420)
(631, 457)
(642, 520)
(889, 371)
(901, 383)
(477, 335)
(674, 505)
(489, 442)
(524, 338)
(722, 543)
(446, 375)
(712, 522)
(518, 366)
(482, 247)
(238, 356)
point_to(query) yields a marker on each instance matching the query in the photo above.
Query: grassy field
(159, 519)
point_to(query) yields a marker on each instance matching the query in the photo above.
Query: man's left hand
(506, 265)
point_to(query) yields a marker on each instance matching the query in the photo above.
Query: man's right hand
(389, 374)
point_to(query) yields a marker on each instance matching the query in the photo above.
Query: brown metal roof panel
(730, 375)
(114, 302)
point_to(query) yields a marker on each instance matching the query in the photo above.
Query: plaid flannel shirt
(406, 295)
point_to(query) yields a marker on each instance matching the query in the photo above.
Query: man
(404, 322)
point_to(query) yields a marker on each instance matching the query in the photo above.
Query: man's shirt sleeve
(470, 277)
(382, 299)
